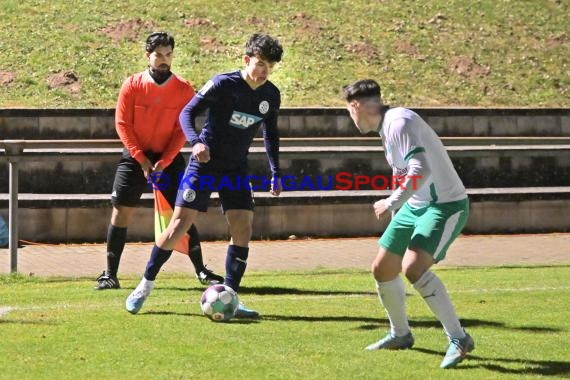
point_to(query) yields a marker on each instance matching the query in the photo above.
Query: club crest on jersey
(264, 107)
(189, 195)
(243, 120)
(397, 172)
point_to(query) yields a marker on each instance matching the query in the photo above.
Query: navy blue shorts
(200, 180)
(130, 183)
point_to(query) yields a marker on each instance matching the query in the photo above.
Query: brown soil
(362, 49)
(467, 67)
(305, 25)
(65, 80)
(7, 78)
(406, 47)
(127, 30)
(211, 45)
(253, 20)
(560, 40)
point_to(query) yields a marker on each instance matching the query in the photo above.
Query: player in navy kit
(238, 103)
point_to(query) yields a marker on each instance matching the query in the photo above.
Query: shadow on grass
(374, 323)
(321, 318)
(527, 366)
(379, 323)
(272, 317)
(433, 323)
(26, 322)
(276, 291)
(233, 321)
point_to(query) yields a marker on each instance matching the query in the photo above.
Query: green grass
(515, 52)
(315, 325)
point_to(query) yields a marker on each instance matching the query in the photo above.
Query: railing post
(14, 148)
(13, 217)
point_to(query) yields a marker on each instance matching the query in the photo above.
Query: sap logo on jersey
(243, 120)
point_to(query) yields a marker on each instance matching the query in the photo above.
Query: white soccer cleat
(135, 300)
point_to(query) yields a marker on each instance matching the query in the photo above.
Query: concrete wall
(492, 211)
(493, 169)
(86, 220)
(297, 122)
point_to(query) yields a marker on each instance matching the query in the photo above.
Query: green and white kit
(432, 201)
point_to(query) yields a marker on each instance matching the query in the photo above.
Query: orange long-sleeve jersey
(146, 117)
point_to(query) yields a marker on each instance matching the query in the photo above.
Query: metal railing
(16, 151)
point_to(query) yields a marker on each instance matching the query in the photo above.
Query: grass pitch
(429, 53)
(314, 325)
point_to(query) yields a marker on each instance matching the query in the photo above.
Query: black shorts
(200, 180)
(130, 183)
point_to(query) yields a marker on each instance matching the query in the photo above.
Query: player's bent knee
(413, 274)
(416, 262)
(383, 274)
(414, 271)
(121, 216)
(241, 234)
(385, 269)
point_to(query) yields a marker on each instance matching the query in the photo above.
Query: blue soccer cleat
(457, 351)
(245, 313)
(135, 300)
(391, 342)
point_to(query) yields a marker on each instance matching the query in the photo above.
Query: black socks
(116, 238)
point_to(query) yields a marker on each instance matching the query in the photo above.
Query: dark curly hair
(157, 39)
(265, 46)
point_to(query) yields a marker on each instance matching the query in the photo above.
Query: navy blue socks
(157, 259)
(195, 249)
(236, 262)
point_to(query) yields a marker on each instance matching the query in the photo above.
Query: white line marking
(5, 310)
(513, 290)
(319, 294)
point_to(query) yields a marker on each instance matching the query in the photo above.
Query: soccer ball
(219, 303)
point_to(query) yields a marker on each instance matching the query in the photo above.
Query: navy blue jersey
(235, 113)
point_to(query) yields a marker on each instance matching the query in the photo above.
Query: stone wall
(297, 122)
(85, 217)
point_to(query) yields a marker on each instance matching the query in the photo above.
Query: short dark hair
(157, 39)
(364, 88)
(265, 46)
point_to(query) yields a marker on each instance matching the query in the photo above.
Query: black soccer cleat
(107, 282)
(207, 277)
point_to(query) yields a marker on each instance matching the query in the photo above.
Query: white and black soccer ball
(219, 303)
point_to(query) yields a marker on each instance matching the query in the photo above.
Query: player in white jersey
(432, 210)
